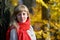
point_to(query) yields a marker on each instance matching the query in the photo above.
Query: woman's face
(22, 16)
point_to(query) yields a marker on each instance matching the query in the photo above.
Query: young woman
(20, 28)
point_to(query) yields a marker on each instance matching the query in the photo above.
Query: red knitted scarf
(22, 32)
(23, 35)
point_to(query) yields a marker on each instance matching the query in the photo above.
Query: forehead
(21, 12)
(20, 9)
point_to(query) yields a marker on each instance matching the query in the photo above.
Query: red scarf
(22, 32)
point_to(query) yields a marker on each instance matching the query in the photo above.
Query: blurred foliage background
(44, 14)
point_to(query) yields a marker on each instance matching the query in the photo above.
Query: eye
(23, 13)
(19, 14)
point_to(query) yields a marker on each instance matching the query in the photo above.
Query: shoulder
(31, 28)
(31, 33)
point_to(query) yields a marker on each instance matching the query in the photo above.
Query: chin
(22, 21)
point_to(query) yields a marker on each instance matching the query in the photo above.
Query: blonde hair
(18, 9)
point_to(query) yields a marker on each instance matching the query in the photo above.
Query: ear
(27, 16)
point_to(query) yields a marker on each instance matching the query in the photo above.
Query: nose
(21, 15)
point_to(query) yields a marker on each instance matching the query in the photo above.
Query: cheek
(18, 18)
(25, 17)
